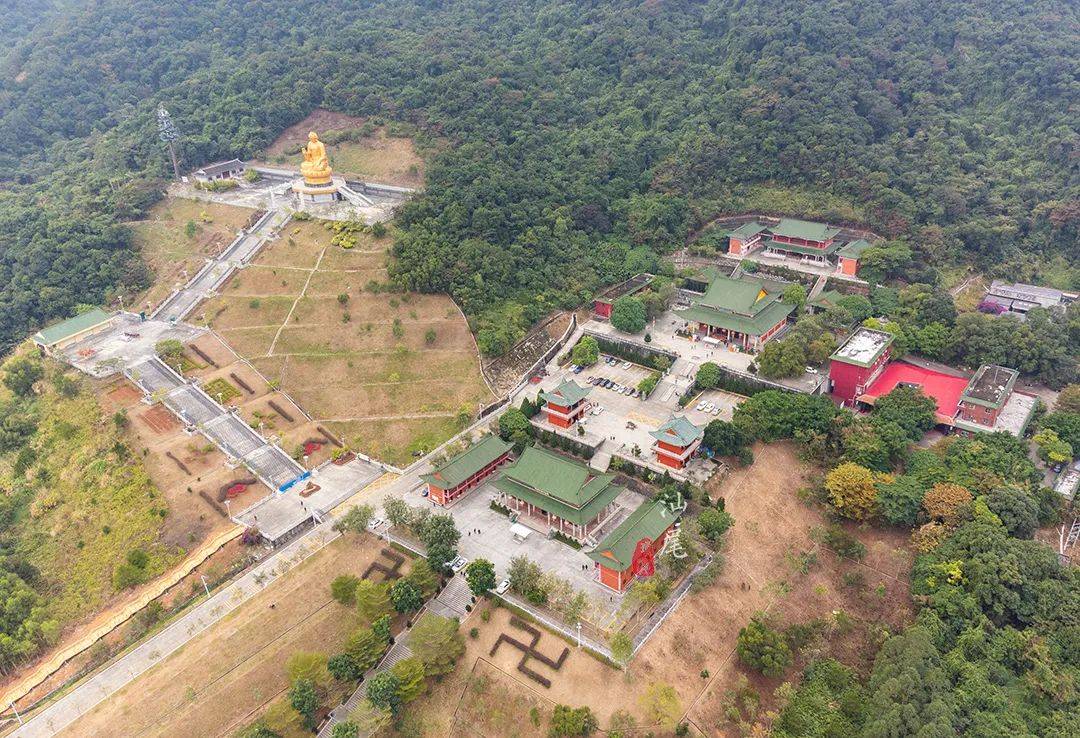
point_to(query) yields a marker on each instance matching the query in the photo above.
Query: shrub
(343, 589)
(763, 649)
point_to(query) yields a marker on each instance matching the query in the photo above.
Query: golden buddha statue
(315, 167)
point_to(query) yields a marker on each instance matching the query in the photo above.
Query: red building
(629, 551)
(745, 238)
(858, 362)
(565, 404)
(676, 441)
(467, 470)
(606, 300)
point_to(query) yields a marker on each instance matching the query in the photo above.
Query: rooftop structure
(991, 386)
(863, 347)
(944, 389)
(804, 230)
(70, 330)
(747, 230)
(219, 170)
(1020, 297)
(641, 535)
(448, 481)
(566, 394)
(676, 441)
(604, 302)
(571, 497)
(744, 311)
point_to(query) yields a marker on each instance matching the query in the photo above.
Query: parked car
(503, 587)
(375, 523)
(626, 365)
(716, 411)
(458, 564)
(811, 370)
(1058, 467)
(579, 370)
(701, 406)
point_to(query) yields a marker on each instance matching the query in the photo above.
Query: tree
(628, 314)
(397, 511)
(586, 352)
(723, 438)
(344, 668)
(1068, 400)
(305, 700)
(422, 575)
(569, 721)
(621, 725)
(370, 719)
(343, 589)
(908, 408)
(258, 730)
(1017, 510)
(763, 649)
(410, 675)
(406, 596)
(524, 575)
(20, 374)
(1065, 425)
(852, 490)
(622, 648)
(355, 520)
(943, 502)
(365, 648)
(900, 500)
(910, 689)
(440, 536)
(169, 348)
(514, 427)
(1052, 449)
(429, 336)
(714, 523)
(309, 666)
(372, 600)
(660, 703)
(480, 574)
(345, 729)
(708, 376)
(436, 642)
(383, 691)
(783, 358)
(795, 294)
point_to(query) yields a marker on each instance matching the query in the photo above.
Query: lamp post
(205, 585)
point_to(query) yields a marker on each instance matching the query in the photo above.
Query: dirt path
(303, 291)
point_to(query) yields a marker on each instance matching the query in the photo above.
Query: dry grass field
(388, 373)
(224, 677)
(172, 255)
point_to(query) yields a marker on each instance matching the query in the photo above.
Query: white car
(458, 564)
(504, 585)
(626, 365)
(375, 523)
(811, 370)
(597, 410)
(701, 406)
(715, 411)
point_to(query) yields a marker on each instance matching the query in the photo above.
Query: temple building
(630, 550)
(558, 494)
(56, 338)
(605, 301)
(743, 312)
(858, 362)
(449, 481)
(676, 441)
(565, 404)
(817, 243)
(219, 170)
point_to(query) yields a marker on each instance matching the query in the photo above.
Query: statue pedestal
(316, 193)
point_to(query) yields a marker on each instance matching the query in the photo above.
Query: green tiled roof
(650, 520)
(558, 485)
(71, 326)
(566, 394)
(469, 462)
(746, 296)
(853, 249)
(678, 431)
(755, 326)
(826, 299)
(796, 249)
(794, 228)
(746, 230)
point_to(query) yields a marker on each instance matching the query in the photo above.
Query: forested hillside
(588, 136)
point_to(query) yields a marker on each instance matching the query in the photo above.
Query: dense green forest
(587, 136)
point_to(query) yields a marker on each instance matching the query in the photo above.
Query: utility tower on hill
(167, 133)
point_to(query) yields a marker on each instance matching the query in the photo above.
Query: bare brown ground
(225, 676)
(504, 372)
(159, 420)
(172, 256)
